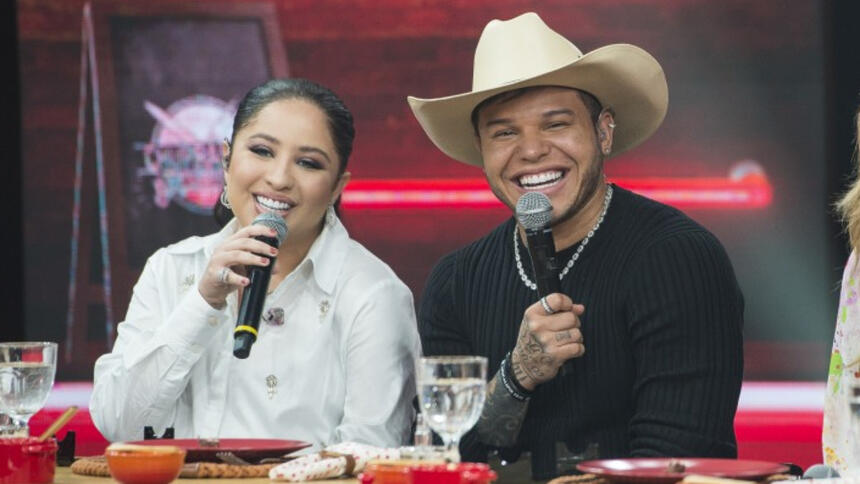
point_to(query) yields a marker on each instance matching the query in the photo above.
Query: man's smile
(537, 181)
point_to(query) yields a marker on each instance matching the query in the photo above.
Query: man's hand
(547, 340)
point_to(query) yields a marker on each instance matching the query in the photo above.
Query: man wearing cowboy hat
(647, 291)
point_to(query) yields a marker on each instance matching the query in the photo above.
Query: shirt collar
(328, 252)
(325, 257)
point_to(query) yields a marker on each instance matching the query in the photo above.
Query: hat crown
(519, 48)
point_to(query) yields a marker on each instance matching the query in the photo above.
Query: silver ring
(223, 274)
(546, 306)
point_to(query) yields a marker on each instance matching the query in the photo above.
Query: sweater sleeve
(442, 333)
(438, 321)
(685, 316)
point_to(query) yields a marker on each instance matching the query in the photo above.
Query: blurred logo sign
(183, 156)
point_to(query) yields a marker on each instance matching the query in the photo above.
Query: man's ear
(605, 131)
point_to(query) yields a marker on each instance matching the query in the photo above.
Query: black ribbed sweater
(662, 329)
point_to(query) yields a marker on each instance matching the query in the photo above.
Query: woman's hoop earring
(223, 198)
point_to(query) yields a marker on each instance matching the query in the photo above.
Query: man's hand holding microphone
(549, 333)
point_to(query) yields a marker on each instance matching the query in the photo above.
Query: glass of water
(27, 372)
(451, 391)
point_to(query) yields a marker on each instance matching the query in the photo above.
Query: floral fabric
(332, 462)
(843, 375)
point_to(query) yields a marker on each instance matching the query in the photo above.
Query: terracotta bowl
(139, 464)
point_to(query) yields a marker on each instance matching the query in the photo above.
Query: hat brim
(622, 77)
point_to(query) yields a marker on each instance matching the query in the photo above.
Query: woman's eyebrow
(269, 138)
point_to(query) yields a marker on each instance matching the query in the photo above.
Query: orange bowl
(149, 464)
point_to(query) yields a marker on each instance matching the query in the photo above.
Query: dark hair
(591, 103)
(340, 120)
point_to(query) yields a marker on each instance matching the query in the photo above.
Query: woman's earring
(330, 216)
(224, 200)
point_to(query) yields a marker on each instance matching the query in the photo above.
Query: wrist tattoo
(502, 415)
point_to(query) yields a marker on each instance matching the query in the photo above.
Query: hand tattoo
(532, 357)
(562, 336)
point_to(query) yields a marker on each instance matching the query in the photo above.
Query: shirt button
(212, 320)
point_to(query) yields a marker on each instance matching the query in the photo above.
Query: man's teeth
(272, 204)
(540, 180)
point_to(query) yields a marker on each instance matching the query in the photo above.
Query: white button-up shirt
(341, 367)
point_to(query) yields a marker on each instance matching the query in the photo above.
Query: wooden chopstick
(61, 420)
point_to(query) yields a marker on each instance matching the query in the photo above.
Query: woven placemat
(90, 466)
(97, 466)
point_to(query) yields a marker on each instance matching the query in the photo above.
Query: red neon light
(750, 191)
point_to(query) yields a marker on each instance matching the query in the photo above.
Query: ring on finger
(223, 274)
(546, 306)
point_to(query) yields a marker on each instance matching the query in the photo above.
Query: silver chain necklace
(528, 282)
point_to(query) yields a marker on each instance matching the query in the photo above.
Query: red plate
(656, 471)
(248, 449)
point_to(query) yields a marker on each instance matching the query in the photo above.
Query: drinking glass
(26, 376)
(451, 391)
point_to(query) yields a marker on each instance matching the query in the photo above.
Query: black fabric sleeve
(442, 333)
(685, 317)
(438, 321)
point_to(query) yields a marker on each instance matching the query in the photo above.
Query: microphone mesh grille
(274, 222)
(534, 210)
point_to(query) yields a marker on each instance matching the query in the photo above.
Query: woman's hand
(226, 270)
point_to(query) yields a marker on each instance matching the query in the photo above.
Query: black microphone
(254, 295)
(534, 212)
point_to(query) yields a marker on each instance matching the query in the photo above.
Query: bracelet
(510, 372)
(511, 385)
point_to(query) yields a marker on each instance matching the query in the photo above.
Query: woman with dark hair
(334, 360)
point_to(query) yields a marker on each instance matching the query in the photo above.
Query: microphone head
(274, 222)
(534, 210)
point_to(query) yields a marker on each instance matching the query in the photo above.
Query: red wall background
(746, 81)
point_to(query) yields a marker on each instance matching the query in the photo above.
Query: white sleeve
(381, 351)
(140, 382)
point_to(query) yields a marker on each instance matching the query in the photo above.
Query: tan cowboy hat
(523, 52)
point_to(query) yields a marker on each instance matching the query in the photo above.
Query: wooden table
(64, 475)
